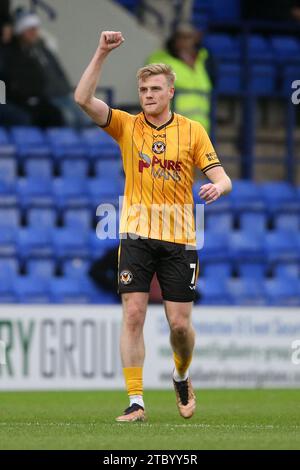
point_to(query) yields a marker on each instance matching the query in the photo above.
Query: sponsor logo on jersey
(126, 277)
(167, 169)
(211, 156)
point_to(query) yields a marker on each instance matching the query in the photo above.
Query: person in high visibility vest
(191, 65)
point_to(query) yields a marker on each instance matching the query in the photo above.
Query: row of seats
(78, 267)
(60, 192)
(40, 187)
(85, 218)
(58, 143)
(250, 291)
(46, 168)
(273, 63)
(53, 242)
(281, 50)
(31, 289)
(67, 242)
(207, 10)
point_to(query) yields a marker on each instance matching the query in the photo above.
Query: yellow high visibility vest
(193, 85)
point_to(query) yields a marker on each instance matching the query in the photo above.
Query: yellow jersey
(159, 164)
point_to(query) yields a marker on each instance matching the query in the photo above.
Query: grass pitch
(225, 419)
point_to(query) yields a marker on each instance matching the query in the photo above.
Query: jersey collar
(160, 127)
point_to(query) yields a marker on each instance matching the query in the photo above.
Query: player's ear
(171, 92)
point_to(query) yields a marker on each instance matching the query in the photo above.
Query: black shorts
(176, 268)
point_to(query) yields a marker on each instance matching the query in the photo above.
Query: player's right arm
(85, 92)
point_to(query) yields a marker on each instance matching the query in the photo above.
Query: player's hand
(210, 192)
(110, 40)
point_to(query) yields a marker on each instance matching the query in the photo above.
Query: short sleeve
(205, 156)
(116, 122)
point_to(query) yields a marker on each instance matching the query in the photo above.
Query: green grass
(225, 419)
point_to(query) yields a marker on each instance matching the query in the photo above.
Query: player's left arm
(219, 186)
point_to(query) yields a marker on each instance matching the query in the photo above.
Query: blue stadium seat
(214, 292)
(260, 49)
(66, 143)
(247, 246)
(216, 247)
(252, 270)
(9, 267)
(31, 290)
(99, 247)
(30, 142)
(10, 217)
(41, 217)
(8, 179)
(99, 144)
(102, 191)
(286, 48)
(262, 79)
(283, 291)
(69, 290)
(7, 149)
(100, 296)
(246, 196)
(70, 243)
(216, 270)
(70, 168)
(35, 192)
(38, 168)
(291, 269)
(219, 222)
(78, 218)
(253, 222)
(289, 73)
(226, 10)
(280, 196)
(282, 245)
(35, 242)
(76, 267)
(71, 192)
(108, 168)
(247, 291)
(8, 241)
(223, 46)
(7, 293)
(41, 267)
(287, 222)
(8, 170)
(229, 78)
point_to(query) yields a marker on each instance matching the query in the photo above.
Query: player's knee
(134, 317)
(180, 328)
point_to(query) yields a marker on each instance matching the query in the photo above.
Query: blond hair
(157, 69)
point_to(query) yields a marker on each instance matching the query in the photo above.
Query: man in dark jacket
(36, 82)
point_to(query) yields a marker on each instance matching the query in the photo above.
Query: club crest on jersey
(158, 147)
(126, 277)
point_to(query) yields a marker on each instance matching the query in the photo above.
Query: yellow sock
(182, 365)
(134, 380)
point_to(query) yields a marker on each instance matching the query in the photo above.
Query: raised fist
(110, 40)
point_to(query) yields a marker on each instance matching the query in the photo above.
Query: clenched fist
(110, 40)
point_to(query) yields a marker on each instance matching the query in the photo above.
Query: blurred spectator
(273, 10)
(36, 83)
(161, 16)
(5, 22)
(191, 63)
